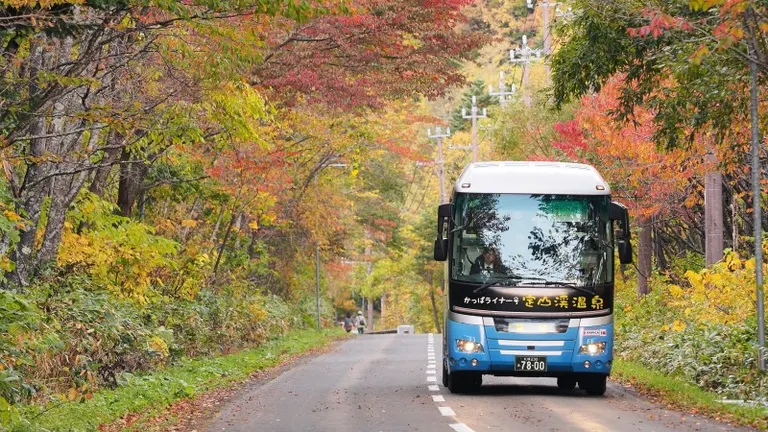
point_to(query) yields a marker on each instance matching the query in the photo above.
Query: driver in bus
(488, 261)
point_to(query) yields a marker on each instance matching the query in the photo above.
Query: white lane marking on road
(433, 388)
(431, 365)
(431, 379)
(461, 427)
(430, 371)
(438, 398)
(446, 411)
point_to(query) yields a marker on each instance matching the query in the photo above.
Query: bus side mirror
(618, 212)
(444, 214)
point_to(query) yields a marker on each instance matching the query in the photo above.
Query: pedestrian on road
(348, 323)
(360, 322)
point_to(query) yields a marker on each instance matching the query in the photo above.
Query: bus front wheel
(463, 382)
(566, 383)
(594, 386)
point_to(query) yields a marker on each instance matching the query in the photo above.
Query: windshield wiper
(502, 281)
(543, 281)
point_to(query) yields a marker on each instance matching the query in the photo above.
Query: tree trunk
(658, 246)
(644, 255)
(237, 227)
(381, 316)
(101, 177)
(33, 188)
(224, 243)
(132, 172)
(64, 190)
(370, 316)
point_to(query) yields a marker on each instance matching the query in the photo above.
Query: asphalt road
(392, 383)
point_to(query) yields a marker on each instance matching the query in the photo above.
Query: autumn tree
(687, 63)
(650, 181)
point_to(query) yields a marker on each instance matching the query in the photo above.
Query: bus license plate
(530, 364)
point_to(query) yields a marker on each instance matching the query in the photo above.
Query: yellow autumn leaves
(722, 294)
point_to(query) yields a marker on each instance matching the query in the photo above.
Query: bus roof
(558, 178)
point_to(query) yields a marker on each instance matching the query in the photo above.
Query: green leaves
(691, 73)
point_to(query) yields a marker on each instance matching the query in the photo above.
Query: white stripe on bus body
(530, 353)
(531, 343)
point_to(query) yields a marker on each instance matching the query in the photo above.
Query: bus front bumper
(502, 356)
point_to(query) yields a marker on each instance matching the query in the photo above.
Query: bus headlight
(592, 348)
(468, 346)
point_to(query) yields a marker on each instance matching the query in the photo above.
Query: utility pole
(524, 55)
(502, 93)
(474, 116)
(756, 194)
(439, 135)
(545, 5)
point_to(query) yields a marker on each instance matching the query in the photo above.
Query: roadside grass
(685, 396)
(151, 393)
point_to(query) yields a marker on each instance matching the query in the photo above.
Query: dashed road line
(438, 398)
(446, 411)
(461, 427)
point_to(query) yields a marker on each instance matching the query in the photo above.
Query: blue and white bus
(529, 251)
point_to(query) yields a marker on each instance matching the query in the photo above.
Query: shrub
(704, 331)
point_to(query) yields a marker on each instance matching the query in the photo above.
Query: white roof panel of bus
(532, 178)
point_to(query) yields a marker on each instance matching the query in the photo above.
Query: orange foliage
(651, 181)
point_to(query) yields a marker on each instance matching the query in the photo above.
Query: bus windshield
(558, 238)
